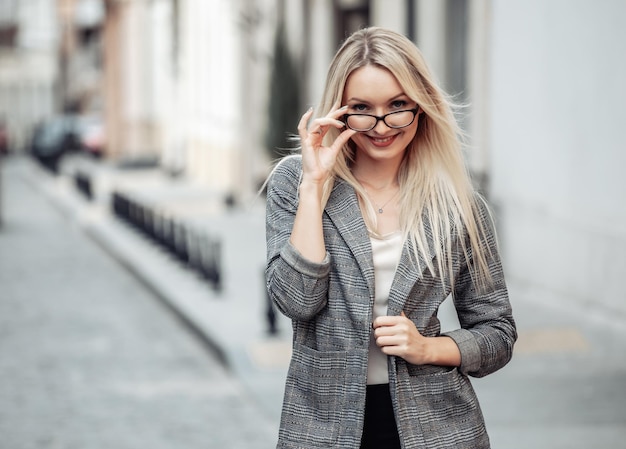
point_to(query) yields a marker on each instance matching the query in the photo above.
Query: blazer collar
(344, 211)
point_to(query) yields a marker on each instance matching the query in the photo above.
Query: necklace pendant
(380, 211)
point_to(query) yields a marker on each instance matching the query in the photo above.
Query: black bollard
(272, 326)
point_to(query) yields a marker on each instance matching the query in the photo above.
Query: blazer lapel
(408, 273)
(344, 211)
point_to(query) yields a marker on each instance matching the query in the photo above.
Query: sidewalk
(231, 320)
(565, 387)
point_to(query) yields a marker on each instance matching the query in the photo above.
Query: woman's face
(375, 91)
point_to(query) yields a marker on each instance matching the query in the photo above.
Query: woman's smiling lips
(382, 141)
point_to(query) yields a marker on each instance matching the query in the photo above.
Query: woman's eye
(399, 104)
(359, 107)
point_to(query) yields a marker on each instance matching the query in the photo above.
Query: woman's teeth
(382, 140)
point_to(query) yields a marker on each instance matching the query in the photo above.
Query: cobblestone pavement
(90, 359)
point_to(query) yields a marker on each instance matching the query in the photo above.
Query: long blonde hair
(436, 189)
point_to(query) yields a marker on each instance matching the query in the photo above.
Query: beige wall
(137, 99)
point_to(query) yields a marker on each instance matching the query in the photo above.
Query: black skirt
(380, 430)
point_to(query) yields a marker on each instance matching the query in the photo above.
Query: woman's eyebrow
(355, 99)
(360, 100)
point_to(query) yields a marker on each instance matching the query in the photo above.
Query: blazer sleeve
(488, 331)
(298, 286)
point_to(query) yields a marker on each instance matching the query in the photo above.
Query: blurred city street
(89, 358)
(94, 357)
(134, 139)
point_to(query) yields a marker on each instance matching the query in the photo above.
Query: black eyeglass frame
(378, 118)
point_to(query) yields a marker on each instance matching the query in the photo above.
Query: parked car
(91, 135)
(52, 138)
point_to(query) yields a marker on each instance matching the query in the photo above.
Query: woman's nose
(381, 127)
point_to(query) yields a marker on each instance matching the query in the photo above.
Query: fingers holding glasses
(332, 119)
(320, 126)
(318, 156)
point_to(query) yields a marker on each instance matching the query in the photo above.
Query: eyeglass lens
(398, 119)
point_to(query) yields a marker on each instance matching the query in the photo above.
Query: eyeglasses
(367, 122)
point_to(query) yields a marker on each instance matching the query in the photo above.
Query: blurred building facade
(181, 84)
(29, 69)
(186, 82)
(556, 152)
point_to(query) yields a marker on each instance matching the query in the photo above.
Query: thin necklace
(381, 208)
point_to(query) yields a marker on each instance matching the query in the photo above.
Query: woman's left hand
(398, 336)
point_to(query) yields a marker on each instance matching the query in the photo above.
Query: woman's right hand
(317, 159)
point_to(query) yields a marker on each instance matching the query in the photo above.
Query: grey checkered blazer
(330, 305)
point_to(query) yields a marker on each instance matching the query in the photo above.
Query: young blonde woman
(369, 229)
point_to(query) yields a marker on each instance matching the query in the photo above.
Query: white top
(386, 253)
